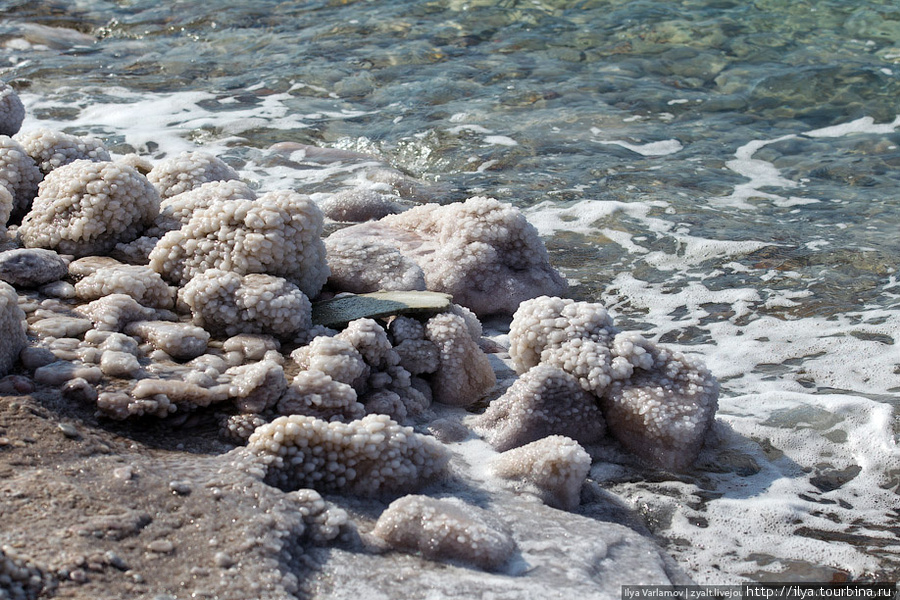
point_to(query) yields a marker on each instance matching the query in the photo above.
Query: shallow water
(723, 175)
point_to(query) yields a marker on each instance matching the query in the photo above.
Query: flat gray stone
(337, 312)
(32, 267)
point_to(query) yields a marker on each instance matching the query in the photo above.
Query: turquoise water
(724, 175)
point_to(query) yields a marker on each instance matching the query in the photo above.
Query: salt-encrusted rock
(119, 364)
(464, 374)
(358, 205)
(176, 211)
(121, 405)
(114, 312)
(61, 327)
(227, 303)
(445, 530)
(52, 149)
(278, 234)
(187, 171)
(544, 322)
(7, 203)
(31, 267)
(664, 411)
(138, 281)
(88, 207)
(237, 429)
(482, 252)
(544, 401)
(19, 175)
(251, 346)
(88, 265)
(257, 387)
(335, 357)
(367, 457)
(387, 268)
(12, 111)
(179, 392)
(315, 394)
(62, 371)
(12, 328)
(179, 340)
(553, 468)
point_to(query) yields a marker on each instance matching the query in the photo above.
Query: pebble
(58, 289)
(223, 560)
(182, 488)
(179, 340)
(16, 384)
(161, 546)
(69, 430)
(31, 267)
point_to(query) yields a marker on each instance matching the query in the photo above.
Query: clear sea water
(724, 175)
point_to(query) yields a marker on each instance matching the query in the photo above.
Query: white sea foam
(661, 148)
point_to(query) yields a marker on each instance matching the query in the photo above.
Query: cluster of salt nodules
(580, 376)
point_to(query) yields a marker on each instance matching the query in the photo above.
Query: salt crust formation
(12, 111)
(246, 268)
(279, 234)
(187, 171)
(12, 328)
(226, 303)
(553, 468)
(19, 175)
(445, 530)
(367, 457)
(86, 208)
(138, 281)
(52, 149)
(657, 403)
(481, 251)
(544, 401)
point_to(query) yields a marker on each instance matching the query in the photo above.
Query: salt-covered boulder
(31, 267)
(12, 111)
(543, 322)
(544, 401)
(52, 149)
(179, 340)
(367, 457)
(464, 374)
(446, 529)
(315, 394)
(278, 234)
(187, 171)
(12, 328)
(88, 207)
(226, 303)
(19, 175)
(387, 268)
(258, 386)
(116, 311)
(553, 468)
(482, 252)
(664, 411)
(138, 281)
(176, 211)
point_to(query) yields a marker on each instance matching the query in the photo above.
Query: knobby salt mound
(482, 252)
